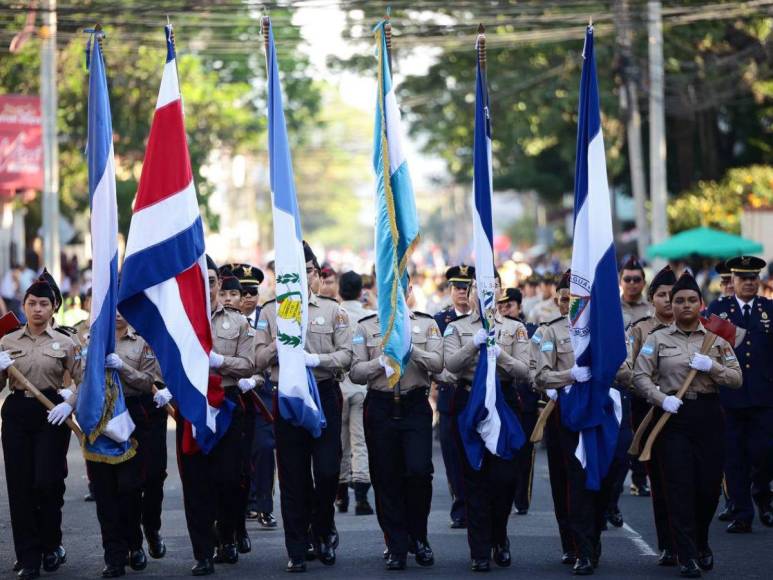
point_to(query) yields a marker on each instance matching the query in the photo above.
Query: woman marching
(689, 451)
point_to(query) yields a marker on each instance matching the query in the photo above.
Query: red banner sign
(21, 144)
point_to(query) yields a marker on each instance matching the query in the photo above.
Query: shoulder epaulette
(422, 314)
(232, 309)
(66, 330)
(462, 317)
(327, 298)
(550, 322)
(368, 317)
(657, 328)
(268, 302)
(642, 319)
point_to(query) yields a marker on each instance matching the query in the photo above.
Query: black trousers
(400, 461)
(35, 470)
(261, 497)
(639, 410)
(451, 458)
(308, 473)
(558, 468)
(117, 491)
(211, 487)
(489, 494)
(247, 466)
(689, 452)
(524, 463)
(150, 433)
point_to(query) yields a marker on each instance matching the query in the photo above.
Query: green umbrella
(704, 242)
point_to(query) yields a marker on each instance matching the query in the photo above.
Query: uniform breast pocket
(54, 357)
(374, 347)
(564, 346)
(420, 341)
(506, 339)
(133, 357)
(226, 340)
(320, 338)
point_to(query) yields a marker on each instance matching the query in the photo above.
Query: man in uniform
(399, 435)
(545, 310)
(354, 460)
(749, 411)
(725, 279)
(459, 279)
(328, 282)
(530, 295)
(309, 467)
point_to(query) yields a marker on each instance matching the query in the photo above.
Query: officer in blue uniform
(749, 410)
(459, 279)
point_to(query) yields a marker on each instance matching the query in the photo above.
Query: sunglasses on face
(632, 279)
(252, 291)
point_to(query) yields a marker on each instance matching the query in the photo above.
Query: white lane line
(644, 548)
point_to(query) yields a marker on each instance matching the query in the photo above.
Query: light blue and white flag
(596, 319)
(487, 422)
(101, 409)
(299, 401)
(397, 224)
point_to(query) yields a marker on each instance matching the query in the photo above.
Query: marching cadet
(309, 467)
(399, 434)
(690, 449)
(489, 491)
(749, 411)
(530, 295)
(459, 279)
(35, 445)
(211, 482)
(546, 309)
(659, 295)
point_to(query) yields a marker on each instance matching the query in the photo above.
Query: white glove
(581, 374)
(5, 360)
(113, 361)
(388, 370)
(59, 414)
(215, 360)
(65, 394)
(701, 362)
(552, 394)
(312, 360)
(247, 384)
(671, 404)
(480, 337)
(162, 397)
(567, 389)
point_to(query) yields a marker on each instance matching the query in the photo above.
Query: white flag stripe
(394, 131)
(170, 87)
(103, 204)
(120, 427)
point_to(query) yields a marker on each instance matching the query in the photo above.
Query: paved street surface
(628, 552)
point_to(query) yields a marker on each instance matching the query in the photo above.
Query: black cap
(722, 269)
(685, 282)
(564, 281)
(665, 277)
(461, 275)
(211, 264)
(247, 275)
(746, 265)
(227, 279)
(511, 295)
(632, 263)
(45, 287)
(309, 255)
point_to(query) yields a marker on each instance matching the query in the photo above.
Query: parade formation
(303, 383)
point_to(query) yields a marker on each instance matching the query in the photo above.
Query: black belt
(415, 393)
(692, 396)
(28, 394)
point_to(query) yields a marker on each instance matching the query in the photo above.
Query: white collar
(741, 303)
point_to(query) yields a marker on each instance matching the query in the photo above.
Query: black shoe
(334, 539)
(458, 524)
(251, 515)
(326, 552)
(52, 560)
(342, 498)
(156, 545)
(480, 565)
(243, 543)
(226, 554)
(706, 559)
(363, 508)
(615, 518)
(386, 553)
(424, 554)
(16, 566)
(582, 567)
(89, 497)
(568, 558)
(296, 565)
(395, 562)
(28, 573)
(690, 570)
(667, 558)
(203, 567)
(266, 520)
(726, 515)
(642, 490)
(739, 527)
(766, 515)
(522, 511)
(113, 571)
(501, 554)
(138, 560)
(311, 553)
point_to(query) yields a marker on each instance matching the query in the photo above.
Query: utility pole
(48, 98)
(629, 105)
(658, 187)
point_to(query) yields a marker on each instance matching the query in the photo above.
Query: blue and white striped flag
(596, 318)
(397, 224)
(487, 422)
(101, 409)
(299, 401)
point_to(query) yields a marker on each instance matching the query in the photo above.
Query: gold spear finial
(482, 45)
(266, 22)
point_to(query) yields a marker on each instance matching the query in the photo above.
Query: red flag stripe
(193, 297)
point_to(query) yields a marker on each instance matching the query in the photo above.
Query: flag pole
(481, 44)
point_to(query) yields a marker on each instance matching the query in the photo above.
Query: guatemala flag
(596, 318)
(487, 421)
(101, 409)
(299, 402)
(164, 291)
(397, 225)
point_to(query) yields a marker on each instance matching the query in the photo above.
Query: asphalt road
(627, 552)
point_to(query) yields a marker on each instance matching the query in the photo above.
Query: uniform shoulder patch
(358, 339)
(450, 329)
(262, 324)
(368, 317)
(647, 349)
(547, 346)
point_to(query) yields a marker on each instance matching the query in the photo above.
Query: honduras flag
(299, 402)
(487, 422)
(397, 225)
(101, 409)
(596, 318)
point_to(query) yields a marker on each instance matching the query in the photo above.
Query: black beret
(227, 279)
(511, 295)
(564, 281)
(211, 264)
(309, 255)
(665, 277)
(633, 263)
(44, 286)
(685, 282)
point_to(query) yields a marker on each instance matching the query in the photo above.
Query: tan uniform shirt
(140, 366)
(544, 311)
(426, 355)
(356, 312)
(664, 362)
(551, 350)
(233, 338)
(460, 354)
(635, 311)
(328, 335)
(43, 359)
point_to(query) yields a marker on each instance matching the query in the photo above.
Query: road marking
(644, 548)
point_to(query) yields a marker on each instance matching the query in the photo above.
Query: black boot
(342, 498)
(361, 506)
